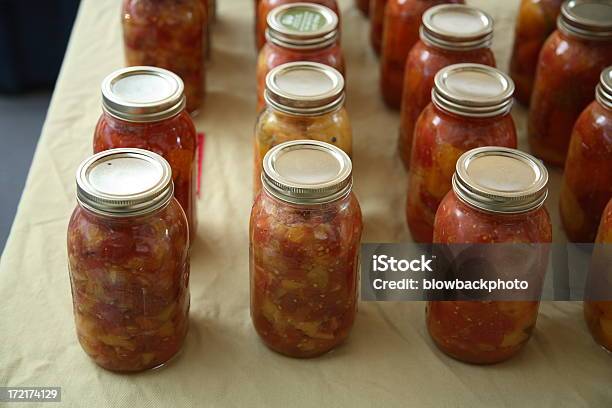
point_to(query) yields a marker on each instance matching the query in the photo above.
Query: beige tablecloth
(389, 359)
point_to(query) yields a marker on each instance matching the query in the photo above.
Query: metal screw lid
(143, 94)
(603, 94)
(500, 180)
(457, 27)
(307, 172)
(304, 88)
(302, 26)
(124, 182)
(588, 19)
(473, 90)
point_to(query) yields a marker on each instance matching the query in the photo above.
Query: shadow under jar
(144, 107)
(450, 34)
(537, 19)
(128, 257)
(587, 179)
(295, 111)
(400, 32)
(266, 6)
(168, 34)
(305, 233)
(568, 71)
(470, 108)
(377, 19)
(497, 198)
(298, 32)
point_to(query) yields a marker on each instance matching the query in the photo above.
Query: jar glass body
(587, 180)
(265, 6)
(567, 74)
(274, 127)
(174, 139)
(598, 314)
(130, 286)
(272, 55)
(423, 63)
(363, 6)
(168, 34)
(400, 32)
(484, 332)
(304, 266)
(377, 19)
(537, 19)
(440, 138)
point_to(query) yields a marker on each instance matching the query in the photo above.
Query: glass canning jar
(266, 6)
(298, 32)
(450, 34)
(497, 197)
(144, 107)
(377, 19)
(536, 20)
(168, 34)
(363, 6)
(470, 108)
(587, 180)
(568, 71)
(400, 32)
(128, 260)
(295, 112)
(305, 232)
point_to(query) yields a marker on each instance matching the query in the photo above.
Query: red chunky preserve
(377, 19)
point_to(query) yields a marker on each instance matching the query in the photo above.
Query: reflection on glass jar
(128, 257)
(377, 18)
(144, 107)
(450, 34)
(470, 108)
(568, 71)
(537, 19)
(400, 32)
(305, 233)
(298, 32)
(497, 197)
(587, 180)
(295, 111)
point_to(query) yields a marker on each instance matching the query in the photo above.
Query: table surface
(389, 359)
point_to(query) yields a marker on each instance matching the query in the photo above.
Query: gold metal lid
(302, 26)
(457, 27)
(124, 183)
(304, 88)
(307, 172)
(500, 180)
(603, 93)
(588, 19)
(143, 94)
(473, 90)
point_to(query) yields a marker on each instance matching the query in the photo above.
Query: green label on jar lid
(303, 19)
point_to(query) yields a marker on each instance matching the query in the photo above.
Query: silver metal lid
(302, 26)
(307, 172)
(457, 27)
(603, 94)
(304, 88)
(124, 182)
(143, 94)
(500, 180)
(473, 90)
(588, 19)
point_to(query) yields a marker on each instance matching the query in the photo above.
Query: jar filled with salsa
(144, 107)
(450, 34)
(168, 34)
(536, 20)
(587, 180)
(568, 71)
(400, 32)
(266, 6)
(128, 258)
(305, 234)
(363, 6)
(298, 32)
(304, 100)
(470, 108)
(377, 19)
(497, 197)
